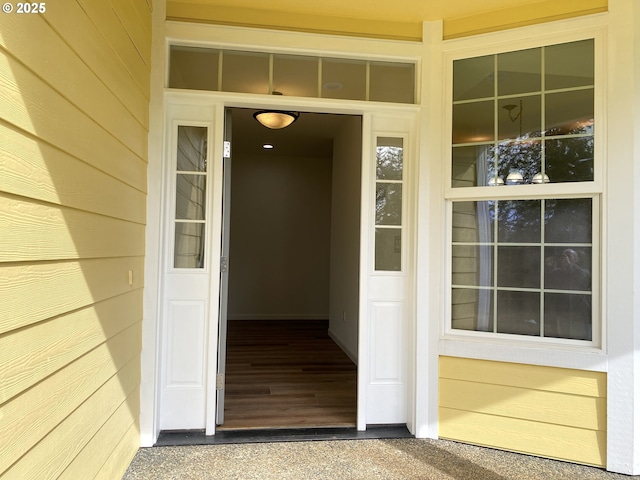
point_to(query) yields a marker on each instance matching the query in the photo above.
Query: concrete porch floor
(369, 459)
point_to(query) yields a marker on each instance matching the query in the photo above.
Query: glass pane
(473, 78)
(192, 149)
(473, 221)
(569, 65)
(193, 68)
(569, 112)
(472, 309)
(519, 221)
(567, 268)
(519, 72)
(189, 245)
(519, 267)
(519, 157)
(472, 166)
(388, 204)
(346, 79)
(473, 122)
(389, 153)
(569, 159)
(567, 315)
(519, 117)
(568, 220)
(190, 197)
(388, 255)
(392, 82)
(295, 75)
(518, 313)
(245, 72)
(472, 265)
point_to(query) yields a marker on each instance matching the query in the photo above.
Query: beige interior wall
(279, 244)
(74, 90)
(345, 236)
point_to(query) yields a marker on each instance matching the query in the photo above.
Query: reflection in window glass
(193, 68)
(389, 155)
(542, 286)
(531, 113)
(519, 221)
(473, 78)
(295, 76)
(388, 206)
(245, 72)
(569, 65)
(392, 82)
(473, 122)
(189, 245)
(519, 72)
(190, 197)
(388, 250)
(346, 79)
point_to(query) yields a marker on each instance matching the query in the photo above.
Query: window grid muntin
(320, 59)
(543, 93)
(494, 289)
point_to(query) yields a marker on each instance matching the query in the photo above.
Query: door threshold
(175, 438)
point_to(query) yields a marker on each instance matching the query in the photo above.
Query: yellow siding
(550, 412)
(74, 90)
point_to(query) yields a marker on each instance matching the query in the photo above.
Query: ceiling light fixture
(275, 119)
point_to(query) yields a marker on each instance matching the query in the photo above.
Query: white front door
(191, 267)
(190, 336)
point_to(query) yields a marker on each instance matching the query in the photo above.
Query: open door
(224, 270)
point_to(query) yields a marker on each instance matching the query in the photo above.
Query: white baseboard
(278, 316)
(349, 353)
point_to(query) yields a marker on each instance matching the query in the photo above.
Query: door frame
(194, 34)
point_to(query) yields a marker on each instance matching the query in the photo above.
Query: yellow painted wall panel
(135, 18)
(302, 22)
(521, 15)
(30, 354)
(32, 105)
(121, 456)
(35, 169)
(535, 405)
(33, 231)
(50, 457)
(95, 454)
(131, 45)
(79, 30)
(31, 39)
(34, 292)
(29, 417)
(552, 412)
(535, 438)
(578, 382)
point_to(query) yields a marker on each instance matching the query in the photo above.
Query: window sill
(526, 352)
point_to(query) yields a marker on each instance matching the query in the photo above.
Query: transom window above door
(199, 68)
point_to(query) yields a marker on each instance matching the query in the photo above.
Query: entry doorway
(293, 288)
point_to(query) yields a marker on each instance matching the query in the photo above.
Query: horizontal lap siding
(550, 412)
(74, 95)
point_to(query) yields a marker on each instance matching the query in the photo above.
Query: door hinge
(220, 381)
(224, 265)
(226, 149)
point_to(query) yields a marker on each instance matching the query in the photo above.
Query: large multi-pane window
(523, 259)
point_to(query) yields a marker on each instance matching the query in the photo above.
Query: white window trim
(590, 355)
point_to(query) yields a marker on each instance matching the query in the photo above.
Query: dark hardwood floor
(284, 374)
